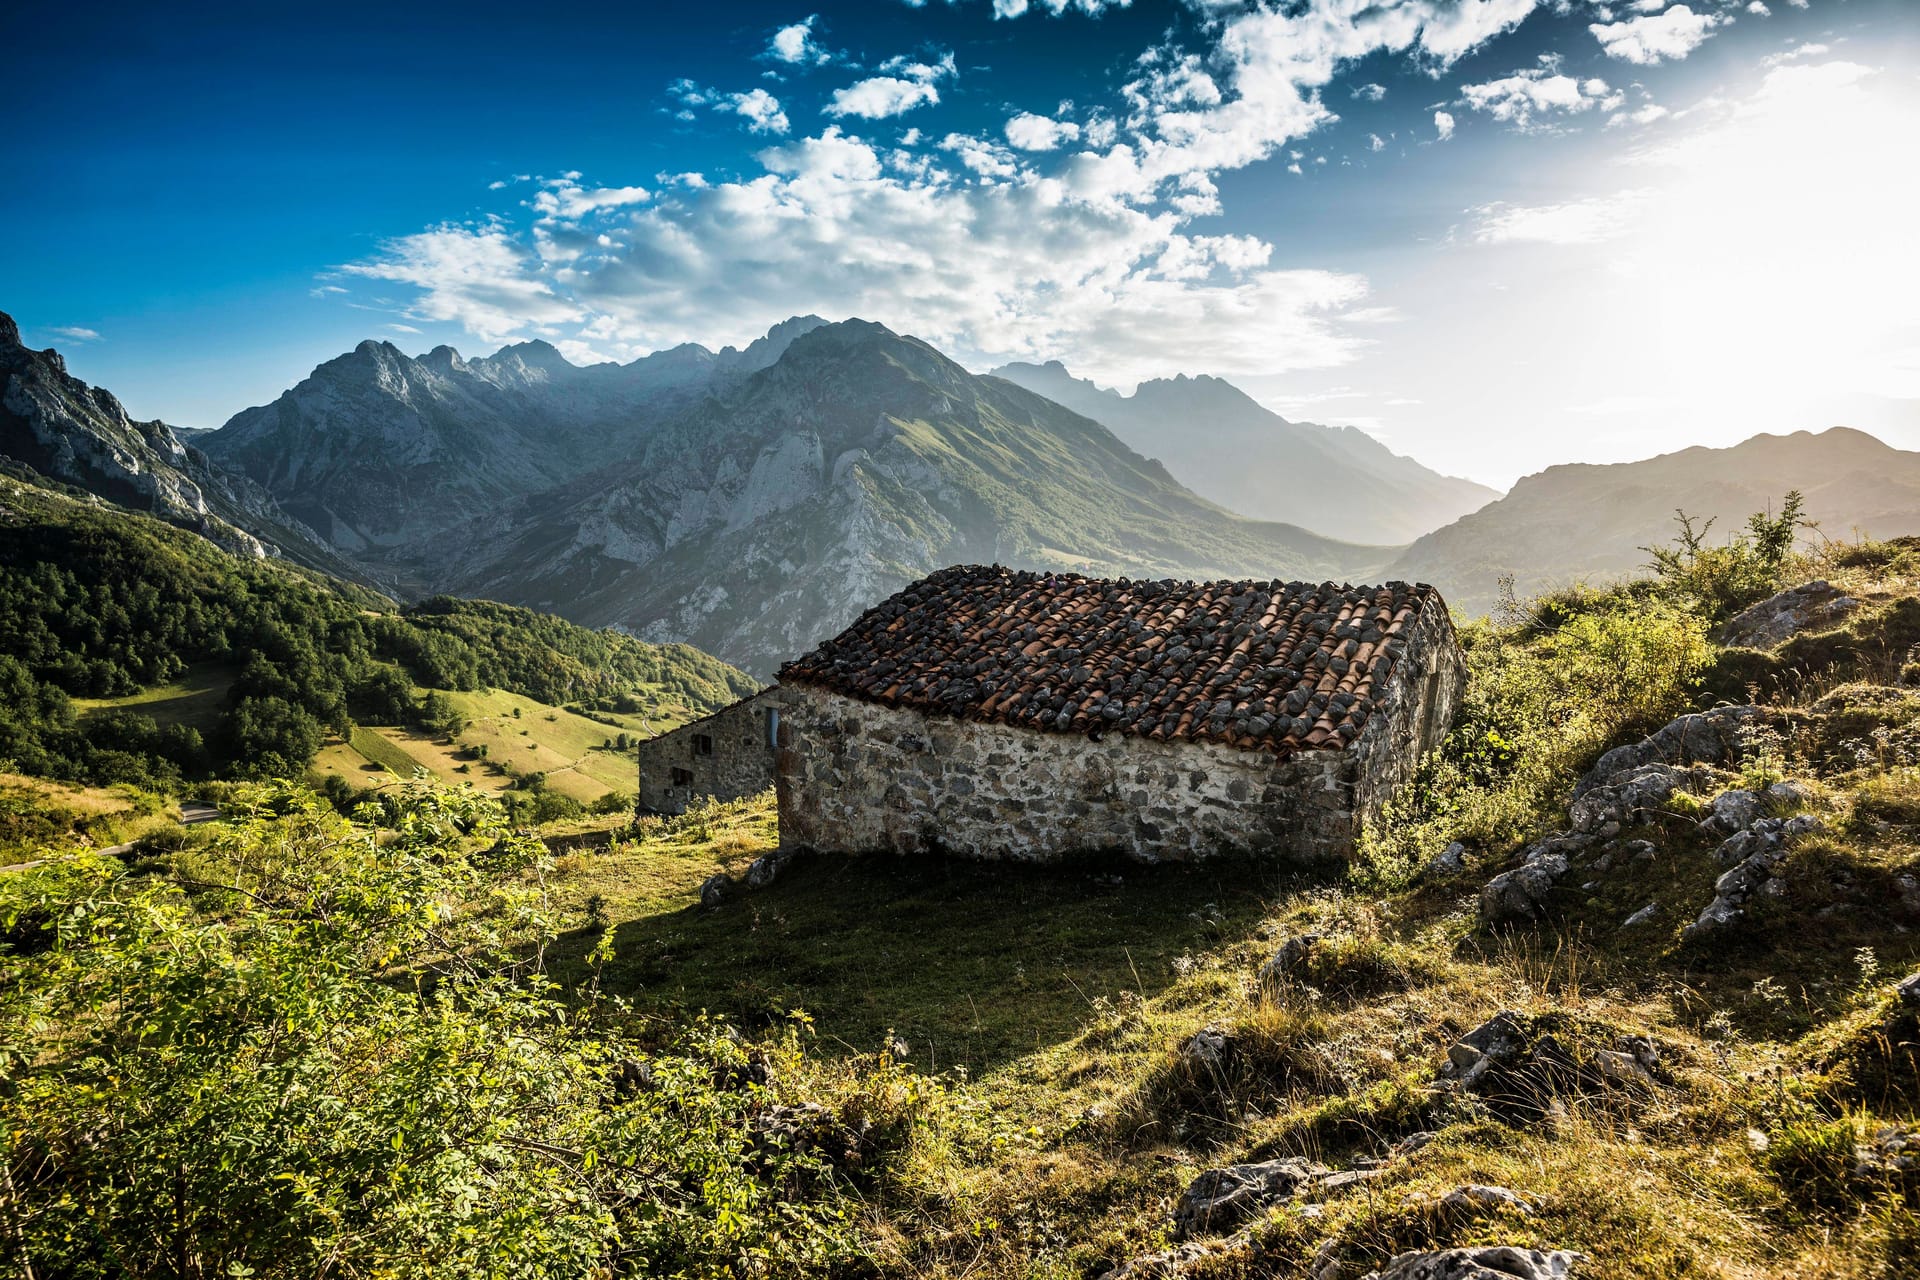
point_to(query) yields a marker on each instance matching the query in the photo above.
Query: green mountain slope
(100, 603)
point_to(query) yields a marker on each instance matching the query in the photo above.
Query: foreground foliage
(365, 1008)
(313, 1047)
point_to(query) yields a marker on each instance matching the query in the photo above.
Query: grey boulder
(1221, 1199)
(1488, 1262)
(1810, 606)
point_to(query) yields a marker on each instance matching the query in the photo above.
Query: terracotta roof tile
(1276, 666)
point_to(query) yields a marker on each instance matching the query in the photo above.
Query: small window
(703, 744)
(773, 728)
(682, 777)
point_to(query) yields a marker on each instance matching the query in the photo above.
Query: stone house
(990, 713)
(727, 756)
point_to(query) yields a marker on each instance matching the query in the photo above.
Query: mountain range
(754, 501)
(1587, 521)
(770, 516)
(1233, 450)
(379, 450)
(80, 435)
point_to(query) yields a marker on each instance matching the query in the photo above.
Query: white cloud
(988, 159)
(761, 110)
(1370, 93)
(402, 328)
(878, 97)
(324, 290)
(1808, 50)
(476, 277)
(1640, 115)
(1022, 266)
(1759, 9)
(76, 333)
(1519, 99)
(564, 199)
(1575, 222)
(794, 44)
(1260, 86)
(1655, 37)
(1376, 143)
(1443, 124)
(1031, 132)
(1017, 8)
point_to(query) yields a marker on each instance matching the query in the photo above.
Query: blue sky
(1497, 233)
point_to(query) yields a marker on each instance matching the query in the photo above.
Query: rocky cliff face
(1233, 450)
(1585, 521)
(769, 516)
(81, 435)
(380, 451)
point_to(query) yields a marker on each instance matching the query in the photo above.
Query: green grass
(382, 751)
(1054, 1001)
(40, 816)
(567, 747)
(975, 964)
(195, 699)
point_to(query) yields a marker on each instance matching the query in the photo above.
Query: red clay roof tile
(1276, 666)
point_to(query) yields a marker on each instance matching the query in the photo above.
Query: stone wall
(858, 777)
(1412, 714)
(727, 756)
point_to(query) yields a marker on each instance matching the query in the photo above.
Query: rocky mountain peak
(9, 331)
(535, 354)
(763, 352)
(444, 360)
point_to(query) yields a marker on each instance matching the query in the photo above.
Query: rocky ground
(1666, 1029)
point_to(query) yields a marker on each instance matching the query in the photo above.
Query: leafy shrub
(1544, 697)
(1720, 581)
(306, 1047)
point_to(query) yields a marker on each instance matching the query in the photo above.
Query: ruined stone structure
(990, 713)
(727, 755)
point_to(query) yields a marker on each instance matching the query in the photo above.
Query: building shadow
(972, 964)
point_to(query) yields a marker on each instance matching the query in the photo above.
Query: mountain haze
(1589, 521)
(1233, 450)
(769, 516)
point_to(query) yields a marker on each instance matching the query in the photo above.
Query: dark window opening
(773, 728)
(682, 777)
(703, 744)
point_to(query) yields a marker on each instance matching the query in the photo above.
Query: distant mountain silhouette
(1590, 521)
(1230, 449)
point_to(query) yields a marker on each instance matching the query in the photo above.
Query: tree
(270, 737)
(437, 714)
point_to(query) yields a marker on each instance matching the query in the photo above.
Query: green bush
(1544, 698)
(1720, 581)
(308, 1048)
